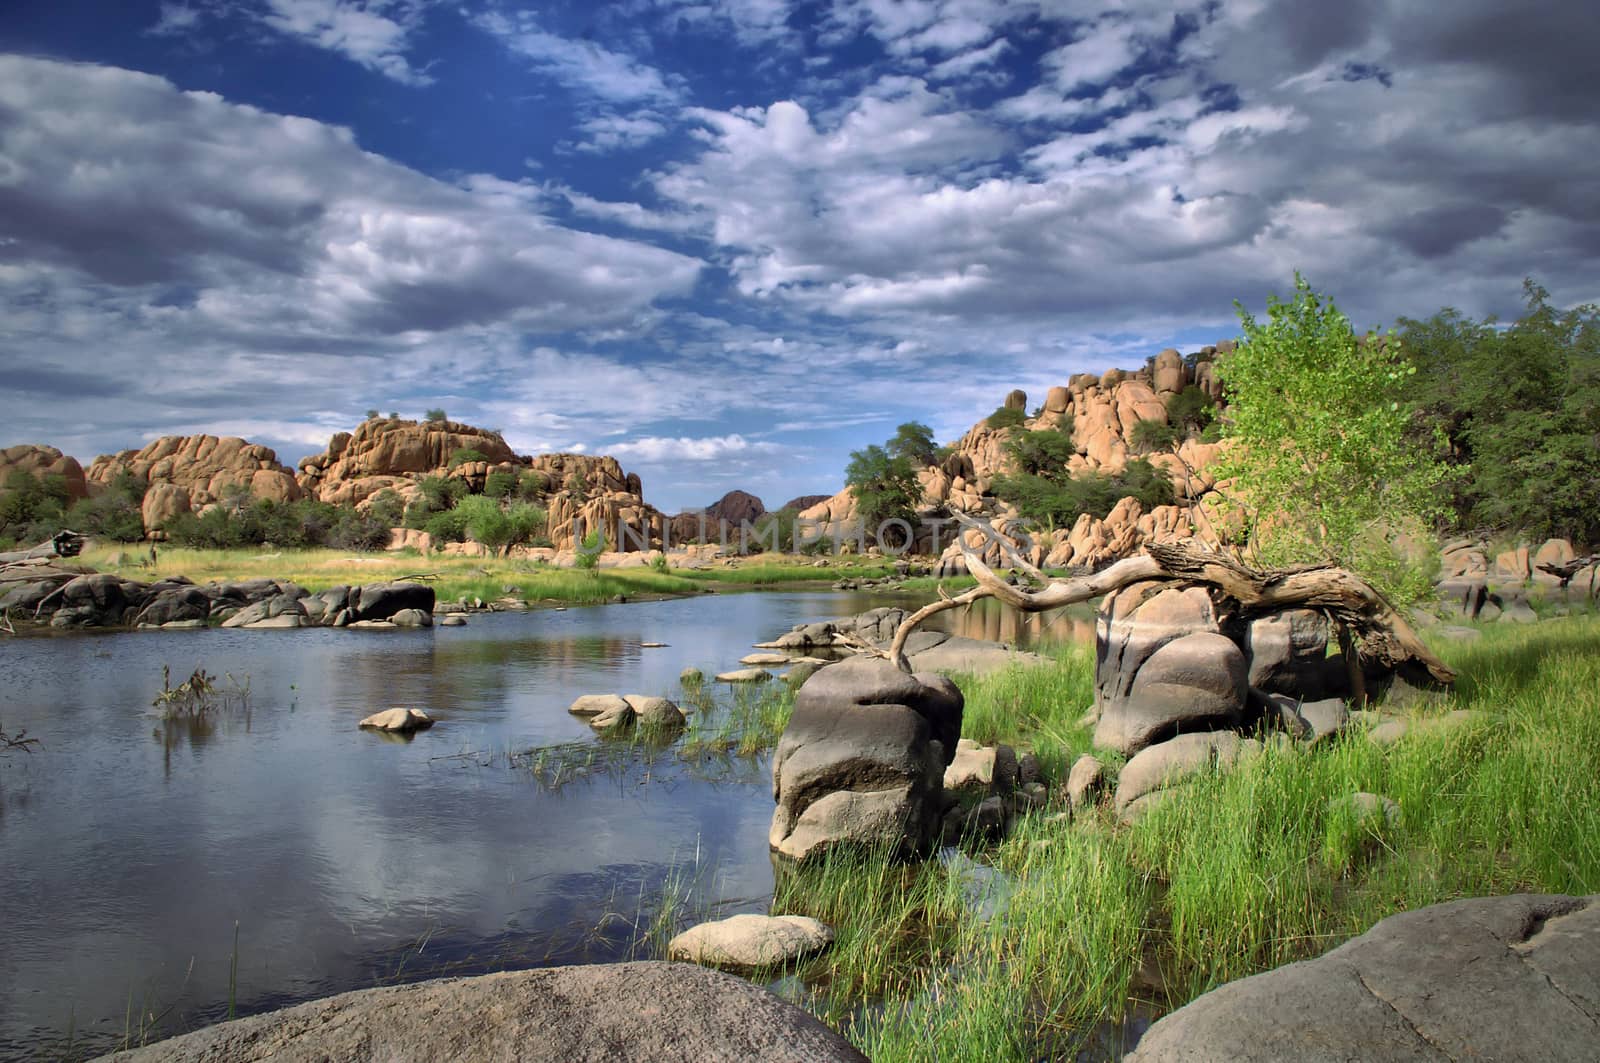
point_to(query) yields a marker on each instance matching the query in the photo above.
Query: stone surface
(1196, 682)
(862, 759)
(648, 1012)
(398, 719)
(411, 618)
(744, 675)
(655, 712)
(1373, 811)
(1086, 781)
(1286, 651)
(1161, 768)
(751, 941)
(1510, 979)
(381, 601)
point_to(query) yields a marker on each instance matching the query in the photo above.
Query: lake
(155, 870)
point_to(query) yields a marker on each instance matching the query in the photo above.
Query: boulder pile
(70, 597)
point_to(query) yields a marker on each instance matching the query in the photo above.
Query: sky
(729, 241)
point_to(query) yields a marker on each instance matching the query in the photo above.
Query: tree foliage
(1006, 417)
(435, 416)
(1043, 453)
(1517, 409)
(1057, 500)
(885, 485)
(1191, 410)
(914, 442)
(1152, 436)
(1321, 464)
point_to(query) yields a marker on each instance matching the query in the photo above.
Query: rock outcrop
(41, 461)
(862, 760)
(390, 454)
(189, 473)
(625, 1012)
(733, 508)
(1504, 978)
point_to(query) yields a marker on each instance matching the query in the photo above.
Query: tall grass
(1252, 869)
(1041, 708)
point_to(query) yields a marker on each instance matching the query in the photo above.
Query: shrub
(532, 485)
(1043, 453)
(1006, 417)
(589, 550)
(448, 526)
(466, 454)
(500, 483)
(1151, 436)
(435, 416)
(1191, 409)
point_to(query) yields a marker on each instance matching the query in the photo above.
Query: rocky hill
(43, 461)
(189, 473)
(391, 454)
(1102, 411)
(733, 507)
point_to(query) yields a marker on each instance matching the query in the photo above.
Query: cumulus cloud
(584, 67)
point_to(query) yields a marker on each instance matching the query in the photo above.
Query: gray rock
(1285, 651)
(595, 704)
(452, 620)
(1191, 683)
(1160, 768)
(751, 941)
(1086, 781)
(1463, 596)
(797, 676)
(1510, 979)
(621, 1013)
(954, 653)
(281, 621)
(380, 601)
(174, 603)
(343, 620)
(267, 609)
(744, 675)
(658, 713)
(863, 758)
(411, 618)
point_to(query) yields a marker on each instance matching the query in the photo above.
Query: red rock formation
(187, 473)
(41, 461)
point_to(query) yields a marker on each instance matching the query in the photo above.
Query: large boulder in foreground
(657, 1012)
(1498, 978)
(1193, 683)
(1134, 624)
(862, 760)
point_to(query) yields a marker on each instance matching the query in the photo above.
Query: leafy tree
(1043, 453)
(1006, 417)
(885, 486)
(1191, 410)
(495, 527)
(372, 415)
(577, 487)
(1322, 467)
(115, 513)
(386, 508)
(1058, 501)
(435, 416)
(1517, 410)
(501, 483)
(447, 526)
(1152, 436)
(32, 507)
(914, 442)
(590, 549)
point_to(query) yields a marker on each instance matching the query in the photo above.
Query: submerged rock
(400, 720)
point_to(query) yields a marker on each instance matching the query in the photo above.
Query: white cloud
(610, 132)
(373, 33)
(656, 450)
(583, 67)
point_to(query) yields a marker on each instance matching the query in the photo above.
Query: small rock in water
(652, 645)
(751, 941)
(452, 620)
(691, 677)
(597, 704)
(398, 719)
(764, 658)
(745, 675)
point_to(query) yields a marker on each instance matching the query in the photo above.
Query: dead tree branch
(1385, 638)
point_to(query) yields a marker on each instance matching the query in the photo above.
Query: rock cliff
(188, 473)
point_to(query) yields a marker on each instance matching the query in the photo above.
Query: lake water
(153, 870)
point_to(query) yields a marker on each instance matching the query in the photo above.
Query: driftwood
(63, 544)
(1385, 639)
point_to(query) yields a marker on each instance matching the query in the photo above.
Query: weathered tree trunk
(1385, 639)
(63, 544)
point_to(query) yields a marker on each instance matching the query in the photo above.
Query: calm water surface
(134, 852)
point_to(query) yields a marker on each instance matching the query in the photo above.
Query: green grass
(745, 722)
(1253, 869)
(762, 573)
(1040, 708)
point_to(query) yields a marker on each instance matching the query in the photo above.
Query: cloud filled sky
(729, 241)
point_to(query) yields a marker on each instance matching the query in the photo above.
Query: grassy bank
(456, 578)
(1253, 869)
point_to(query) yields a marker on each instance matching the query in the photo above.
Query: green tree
(462, 455)
(1152, 436)
(1043, 453)
(885, 486)
(914, 442)
(501, 483)
(1321, 464)
(1191, 410)
(113, 514)
(1517, 410)
(435, 416)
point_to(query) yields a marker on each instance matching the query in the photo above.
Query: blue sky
(729, 241)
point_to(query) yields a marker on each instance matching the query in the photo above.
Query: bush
(435, 416)
(1191, 409)
(32, 508)
(1006, 417)
(1151, 436)
(590, 549)
(1043, 453)
(464, 455)
(500, 483)
(114, 514)
(449, 526)
(385, 507)
(1058, 503)
(532, 485)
